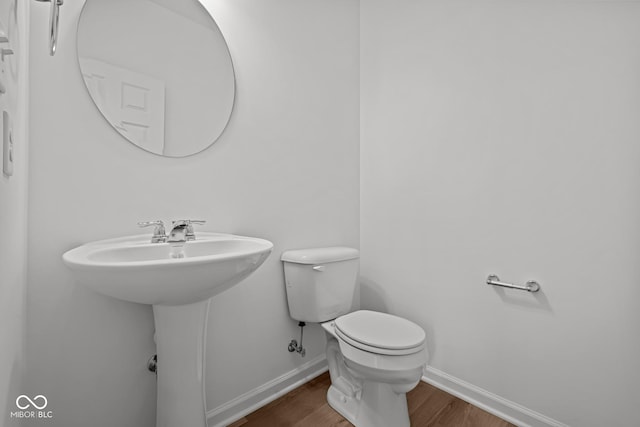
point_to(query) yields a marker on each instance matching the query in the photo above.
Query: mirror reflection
(159, 71)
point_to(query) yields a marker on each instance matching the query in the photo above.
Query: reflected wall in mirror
(159, 71)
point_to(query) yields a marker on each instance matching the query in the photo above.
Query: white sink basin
(178, 280)
(132, 269)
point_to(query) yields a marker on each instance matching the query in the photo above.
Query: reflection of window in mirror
(164, 80)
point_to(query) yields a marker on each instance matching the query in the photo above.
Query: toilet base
(346, 406)
(371, 393)
(379, 406)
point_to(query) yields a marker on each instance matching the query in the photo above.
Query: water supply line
(293, 345)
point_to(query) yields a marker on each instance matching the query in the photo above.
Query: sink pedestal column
(181, 346)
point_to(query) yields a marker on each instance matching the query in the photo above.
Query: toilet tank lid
(320, 255)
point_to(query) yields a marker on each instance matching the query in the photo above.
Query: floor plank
(307, 406)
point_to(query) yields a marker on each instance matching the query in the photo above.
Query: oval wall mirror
(159, 71)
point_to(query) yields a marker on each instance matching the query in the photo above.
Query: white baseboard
(244, 404)
(496, 405)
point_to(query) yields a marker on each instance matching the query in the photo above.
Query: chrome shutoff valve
(293, 345)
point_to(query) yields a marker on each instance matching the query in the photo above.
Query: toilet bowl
(374, 358)
(369, 382)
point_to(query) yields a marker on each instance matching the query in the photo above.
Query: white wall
(13, 208)
(286, 169)
(502, 137)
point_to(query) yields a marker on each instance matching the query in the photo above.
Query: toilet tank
(320, 282)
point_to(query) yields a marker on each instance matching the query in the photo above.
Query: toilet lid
(380, 330)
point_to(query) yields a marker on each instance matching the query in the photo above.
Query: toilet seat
(380, 333)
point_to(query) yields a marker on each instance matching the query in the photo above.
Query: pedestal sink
(178, 280)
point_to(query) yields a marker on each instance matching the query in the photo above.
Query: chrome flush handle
(159, 233)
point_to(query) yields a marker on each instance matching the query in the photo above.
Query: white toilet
(374, 358)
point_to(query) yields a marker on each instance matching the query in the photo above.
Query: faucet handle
(159, 234)
(157, 223)
(190, 234)
(188, 222)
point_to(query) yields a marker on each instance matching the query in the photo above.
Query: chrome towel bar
(530, 286)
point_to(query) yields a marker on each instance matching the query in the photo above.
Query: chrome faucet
(159, 234)
(182, 230)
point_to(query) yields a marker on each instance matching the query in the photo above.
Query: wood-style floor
(307, 406)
